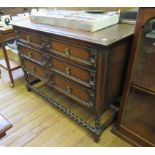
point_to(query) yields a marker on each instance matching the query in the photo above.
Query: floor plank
(37, 123)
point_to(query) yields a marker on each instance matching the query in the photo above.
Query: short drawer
(33, 39)
(34, 55)
(74, 91)
(8, 36)
(76, 73)
(77, 53)
(34, 69)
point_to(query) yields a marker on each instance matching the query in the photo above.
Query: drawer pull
(91, 83)
(92, 96)
(44, 62)
(46, 71)
(92, 60)
(30, 54)
(93, 57)
(42, 42)
(17, 34)
(46, 43)
(67, 51)
(68, 70)
(34, 70)
(50, 65)
(44, 79)
(52, 82)
(28, 39)
(68, 89)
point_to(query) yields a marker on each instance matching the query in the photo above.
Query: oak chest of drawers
(87, 67)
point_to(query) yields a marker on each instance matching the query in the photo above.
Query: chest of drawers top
(103, 37)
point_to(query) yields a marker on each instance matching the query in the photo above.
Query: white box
(76, 19)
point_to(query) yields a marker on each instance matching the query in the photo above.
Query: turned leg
(27, 80)
(8, 65)
(98, 129)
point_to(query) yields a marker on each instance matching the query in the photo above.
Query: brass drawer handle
(92, 60)
(67, 51)
(50, 64)
(34, 69)
(68, 70)
(93, 57)
(68, 89)
(46, 43)
(93, 79)
(42, 42)
(92, 97)
(92, 84)
(52, 82)
(30, 54)
(44, 62)
(28, 39)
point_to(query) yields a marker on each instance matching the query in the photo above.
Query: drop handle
(68, 70)
(92, 60)
(28, 39)
(50, 64)
(67, 51)
(30, 54)
(51, 82)
(34, 70)
(47, 43)
(42, 42)
(68, 89)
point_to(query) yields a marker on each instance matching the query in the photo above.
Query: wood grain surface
(37, 123)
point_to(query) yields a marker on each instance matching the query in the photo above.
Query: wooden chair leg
(2, 135)
(8, 65)
(11, 79)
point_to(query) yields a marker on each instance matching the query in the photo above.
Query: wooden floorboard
(37, 123)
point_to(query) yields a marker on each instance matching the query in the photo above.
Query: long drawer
(80, 94)
(76, 73)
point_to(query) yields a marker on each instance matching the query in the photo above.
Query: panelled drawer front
(85, 55)
(86, 77)
(34, 69)
(80, 94)
(9, 36)
(33, 39)
(32, 54)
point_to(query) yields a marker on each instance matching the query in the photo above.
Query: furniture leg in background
(9, 65)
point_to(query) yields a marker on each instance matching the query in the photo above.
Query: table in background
(9, 65)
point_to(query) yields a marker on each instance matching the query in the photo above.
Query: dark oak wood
(136, 118)
(6, 35)
(78, 64)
